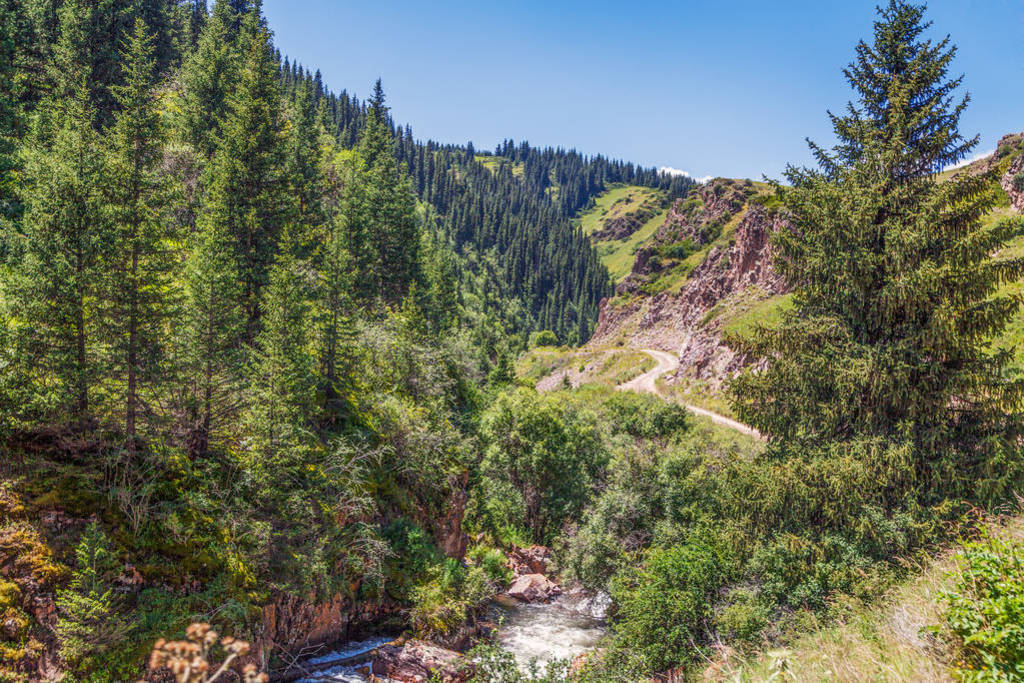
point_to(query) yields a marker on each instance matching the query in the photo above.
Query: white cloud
(970, 160)
(668, 170)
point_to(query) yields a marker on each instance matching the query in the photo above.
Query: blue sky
(713, 88)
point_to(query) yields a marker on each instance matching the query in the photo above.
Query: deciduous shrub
(540, 461)
(452, 595)
(663, 607)
(985, 611)
(493, 563)
(543, 338)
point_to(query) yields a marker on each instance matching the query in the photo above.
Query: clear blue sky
(710, 87)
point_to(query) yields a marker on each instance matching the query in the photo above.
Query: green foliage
(140, 290)
(495, 664)
(493, 563)
(90, 624)
(663, 611)
(451, 595)
(893, 271)
(643, 418)
(208, 76)
(743, 618)
(247, 195)
(985, 611)
(59, 263)
(678, 250)
(543, 338)
(540, 461)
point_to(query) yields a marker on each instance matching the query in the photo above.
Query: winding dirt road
(666, 363)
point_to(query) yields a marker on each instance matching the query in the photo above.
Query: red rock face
(419, 662)
(532, 560)
(450, 537)
(1013, 183)
(290, 623)
(675, 322)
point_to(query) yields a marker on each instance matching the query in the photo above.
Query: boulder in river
(417, 662)
(534, 588)
(532, 560)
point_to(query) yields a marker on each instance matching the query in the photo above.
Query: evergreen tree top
(907, 112)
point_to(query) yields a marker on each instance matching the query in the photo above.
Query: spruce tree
(12, 22)
(58, 258)
(304, 167)
(208, 76)
(88, 624)
(390, 228)
(211, 338)
(282, 401)
(333, 316)
(247, 181)
(140, 261)
(897, 292)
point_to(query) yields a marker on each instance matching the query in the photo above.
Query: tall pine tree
(389, 226)
(55, 282)
(897, 293)
(247, 181)
(282, 401)
(210, 343)
(208, 76)
(140, 261)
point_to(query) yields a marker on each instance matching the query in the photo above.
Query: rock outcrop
(450, 537)
(678, 321)
(291, 624)
(534, 588)
(532, 560)
(1013, 180)
(418, 662)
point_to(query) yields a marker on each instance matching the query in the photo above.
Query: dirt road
(666, 363)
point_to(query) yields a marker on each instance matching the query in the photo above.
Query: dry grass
(545, 367)
(888, 641)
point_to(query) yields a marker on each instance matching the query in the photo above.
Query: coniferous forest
(267, 383)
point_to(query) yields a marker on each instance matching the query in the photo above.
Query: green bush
(90, 623)
(413, 555)
(493, 563)
(541, 459)
(985, 611)
(678, 250)
(1018, 182)
(663, 616)
(644, 416)
(451, 596)
(543, 338)
(495, 664)
(743, 618)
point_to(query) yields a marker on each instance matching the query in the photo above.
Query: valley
(288, 392)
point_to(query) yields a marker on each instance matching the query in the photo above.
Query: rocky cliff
(711, 260)
(708, 270)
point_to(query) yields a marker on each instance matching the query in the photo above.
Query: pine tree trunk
(82, 405)
(133, 333)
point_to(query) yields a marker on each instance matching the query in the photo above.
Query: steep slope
(706, 271)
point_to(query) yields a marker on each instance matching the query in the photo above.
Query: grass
(494, 164)
(618, 255)
(888, 641)
(604, 367)
(620, 200)
(700, 393)
(747, 314)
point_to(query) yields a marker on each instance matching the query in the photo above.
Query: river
(540, 632)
